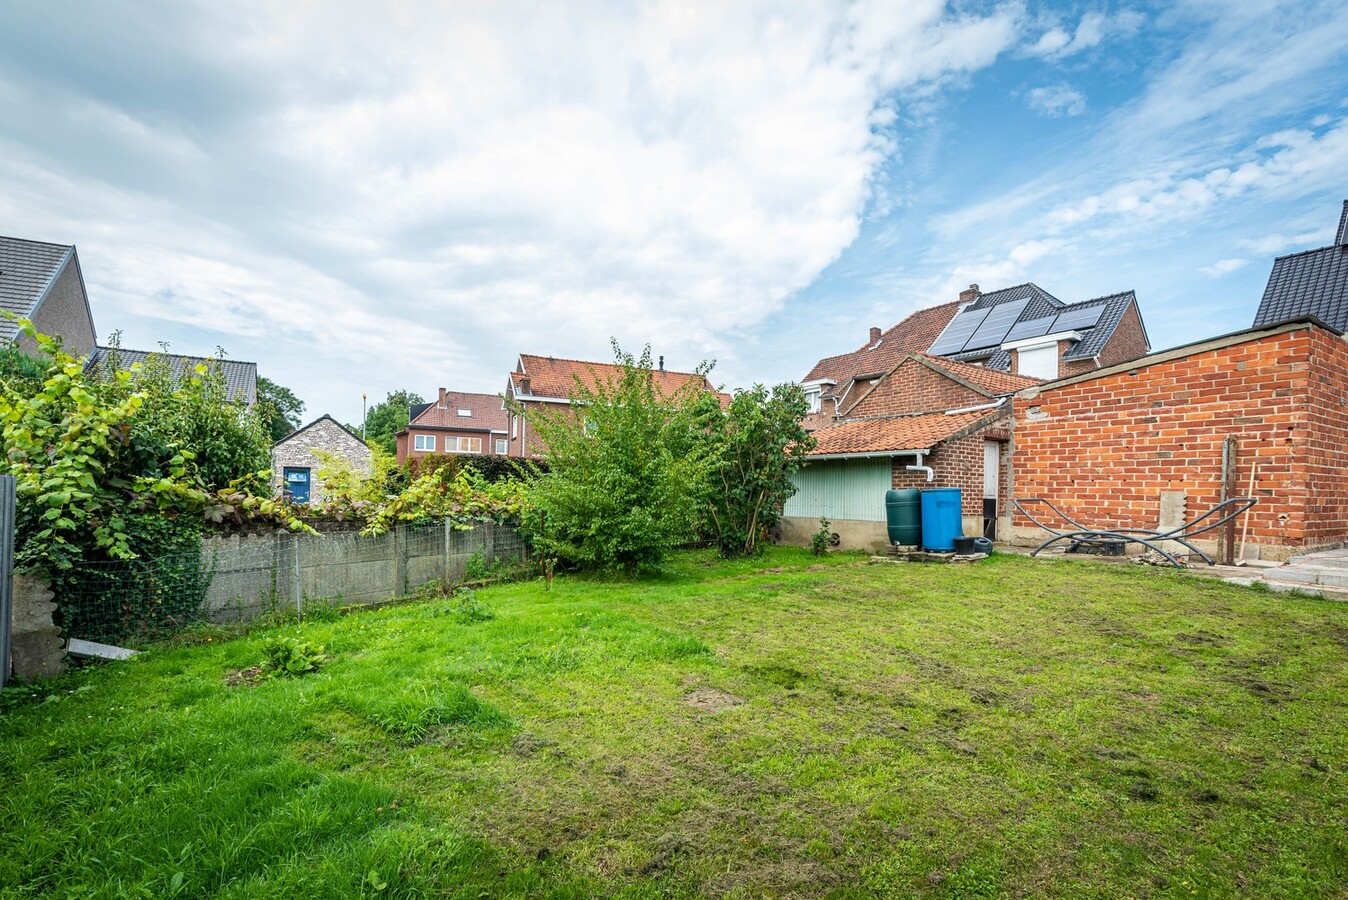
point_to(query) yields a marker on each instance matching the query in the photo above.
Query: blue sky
(367, 200)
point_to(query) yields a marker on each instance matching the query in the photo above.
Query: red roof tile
(915, 333)
(486, 412)
(549, 376)
(993, 380)
(894, 433)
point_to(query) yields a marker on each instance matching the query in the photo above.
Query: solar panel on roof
(958, 332)
(994, 328)
(1029, 328)
(1072, 319)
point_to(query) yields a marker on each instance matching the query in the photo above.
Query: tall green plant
(625, 481)
(754, 446)
(84, 473)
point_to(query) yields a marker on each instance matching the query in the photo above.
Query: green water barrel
(903, 517)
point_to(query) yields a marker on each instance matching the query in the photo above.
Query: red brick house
(1021, 329)
(927, 422)
(457, 422)
(547, 382)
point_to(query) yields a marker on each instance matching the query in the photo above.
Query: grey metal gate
(6, 572)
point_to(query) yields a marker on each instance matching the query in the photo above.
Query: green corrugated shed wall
(841, 489)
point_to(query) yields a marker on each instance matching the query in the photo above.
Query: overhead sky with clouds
(363, 200)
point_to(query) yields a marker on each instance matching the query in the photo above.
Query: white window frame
(464, 413)
(423, 443)
(456, 444)
(502, 446)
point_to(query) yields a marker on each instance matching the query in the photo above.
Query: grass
(772, 728)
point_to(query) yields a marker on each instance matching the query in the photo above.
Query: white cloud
(1297, 160)
(1278, 243)
(1223, 267)
(1056, 100)
(438, 187)
(1092, 30)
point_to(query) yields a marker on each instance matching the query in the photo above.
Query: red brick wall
(1105, 448)
(1129, 340)
(1327, 440)
(959, 463)
(407, 444)
(914, 388)
(527, 443)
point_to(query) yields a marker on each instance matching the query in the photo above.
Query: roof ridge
(1312, 250)
(590, 362)
(221, 359)
(1104, 298)
(5, 237)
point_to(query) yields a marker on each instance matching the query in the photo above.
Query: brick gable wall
(1105, 448)
(915, 388)
(1326, 469)
(959, 463)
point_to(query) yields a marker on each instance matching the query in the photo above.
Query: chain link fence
(238, 578)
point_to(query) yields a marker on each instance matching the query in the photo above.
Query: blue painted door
(297, 484)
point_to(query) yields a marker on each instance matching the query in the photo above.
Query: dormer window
(812, 397)
(465, 413)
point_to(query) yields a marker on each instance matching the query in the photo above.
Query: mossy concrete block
(35, 643)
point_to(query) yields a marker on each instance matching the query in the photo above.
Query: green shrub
(627, 475)
(290, 657)
(820, 540)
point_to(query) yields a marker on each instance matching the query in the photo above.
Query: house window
(514, 426)
(812, 397)
(501, 446)
(425, 442)
(1039, 362)
(463, 445)
(466, 413)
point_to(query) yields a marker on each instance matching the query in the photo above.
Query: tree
(754, 447)
(279, 408)
(625, 481)
(385, 419)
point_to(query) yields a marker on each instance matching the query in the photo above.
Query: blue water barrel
(942, 519)
(903, 517)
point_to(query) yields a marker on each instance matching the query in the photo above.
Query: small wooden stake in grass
(1245, 529)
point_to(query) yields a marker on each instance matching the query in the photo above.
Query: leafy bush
(627, 477)
(821, 539)
(289, 657)
(467, 609)
(754, 446)
(463, 499)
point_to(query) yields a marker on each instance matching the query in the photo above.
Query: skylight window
(465, 412)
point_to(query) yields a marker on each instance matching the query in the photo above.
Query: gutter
(993, 405)
(879, 454)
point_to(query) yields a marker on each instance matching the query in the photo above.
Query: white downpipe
(931, 476)
(993, 405)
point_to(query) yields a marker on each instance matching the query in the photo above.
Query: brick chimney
(662, 362)
(973, 293)
(441, 402)
(1342, 239)
(875, 335)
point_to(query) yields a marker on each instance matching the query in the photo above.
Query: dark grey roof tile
(27, 271)
(240, 377)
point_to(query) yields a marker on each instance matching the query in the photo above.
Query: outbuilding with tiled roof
(927, 422)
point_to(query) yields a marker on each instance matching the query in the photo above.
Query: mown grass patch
(770, 727)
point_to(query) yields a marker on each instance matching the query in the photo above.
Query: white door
(992, 457)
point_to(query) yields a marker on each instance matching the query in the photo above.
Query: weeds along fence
(243, 577)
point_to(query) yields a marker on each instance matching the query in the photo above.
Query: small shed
(295, 464)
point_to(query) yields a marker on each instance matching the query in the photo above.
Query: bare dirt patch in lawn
(711, 699)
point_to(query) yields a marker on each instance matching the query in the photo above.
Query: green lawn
(775, 728)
